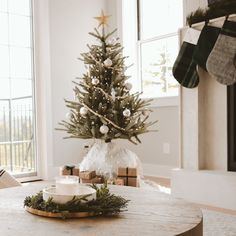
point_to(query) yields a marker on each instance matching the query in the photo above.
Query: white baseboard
(157, 170)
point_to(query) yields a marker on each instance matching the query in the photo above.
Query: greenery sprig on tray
(105, 203)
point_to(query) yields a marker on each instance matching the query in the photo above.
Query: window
(17, 116)
(157, 44)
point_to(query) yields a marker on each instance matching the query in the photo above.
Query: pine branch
(100, 116)
(94, 35)
(109, 34)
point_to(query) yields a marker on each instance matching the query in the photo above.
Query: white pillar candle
(67, 185)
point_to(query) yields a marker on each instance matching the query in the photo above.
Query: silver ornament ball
(104, 129)
(83, 111)
(108, 62)
(95, 81)
(126, 113)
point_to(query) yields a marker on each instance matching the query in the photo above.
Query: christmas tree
(104, 108)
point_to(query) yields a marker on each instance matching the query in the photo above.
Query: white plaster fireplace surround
(203, 175)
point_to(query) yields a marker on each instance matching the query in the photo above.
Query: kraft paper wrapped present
(70, 170)
(131, 172)
(128, 175)
(76, 171)
(96, 180)
(87, 175)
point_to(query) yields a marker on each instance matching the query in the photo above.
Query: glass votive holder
(67, 185)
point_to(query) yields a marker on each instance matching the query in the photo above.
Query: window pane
(23, 134)
(20, 59)
(19, 30)
(5, 88)
(3, 5)
(160, 17)
(22, 121)
(4, 122)
(21, 88)
(157, 59)
(21, 114)
(4, 28)
(4, 61)
(21, 7)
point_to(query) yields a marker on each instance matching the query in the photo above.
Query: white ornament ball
(126, 113)
(95, 81)
(128, 86)
(83, 111)
(108, 62)
(104, 129)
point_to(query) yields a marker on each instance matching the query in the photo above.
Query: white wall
(70, 23)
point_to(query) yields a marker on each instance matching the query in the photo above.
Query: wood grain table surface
(149, 213)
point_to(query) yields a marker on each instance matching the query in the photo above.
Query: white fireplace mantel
(203, 122)
(204, 125)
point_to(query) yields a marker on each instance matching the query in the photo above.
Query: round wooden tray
(60, 215)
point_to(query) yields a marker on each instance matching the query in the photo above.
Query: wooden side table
(149, 213)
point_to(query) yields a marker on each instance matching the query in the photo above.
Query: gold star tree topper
(103, 19)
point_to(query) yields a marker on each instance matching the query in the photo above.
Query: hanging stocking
(221, 63)
(184, 69)
(205, 44)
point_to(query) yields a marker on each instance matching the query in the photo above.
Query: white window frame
(42, 65)
(43, 92)
(31, 176)
(131, 26)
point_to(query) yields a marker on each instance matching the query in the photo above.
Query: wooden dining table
(149, 212)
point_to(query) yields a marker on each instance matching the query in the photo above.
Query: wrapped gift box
(70, 170)
(130, 172)
(96, 180)
(87, 175)
(129, 176)
(76, 171)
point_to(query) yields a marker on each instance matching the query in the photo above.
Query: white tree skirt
(105, 158)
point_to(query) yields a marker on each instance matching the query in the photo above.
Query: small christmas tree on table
(104, 108)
